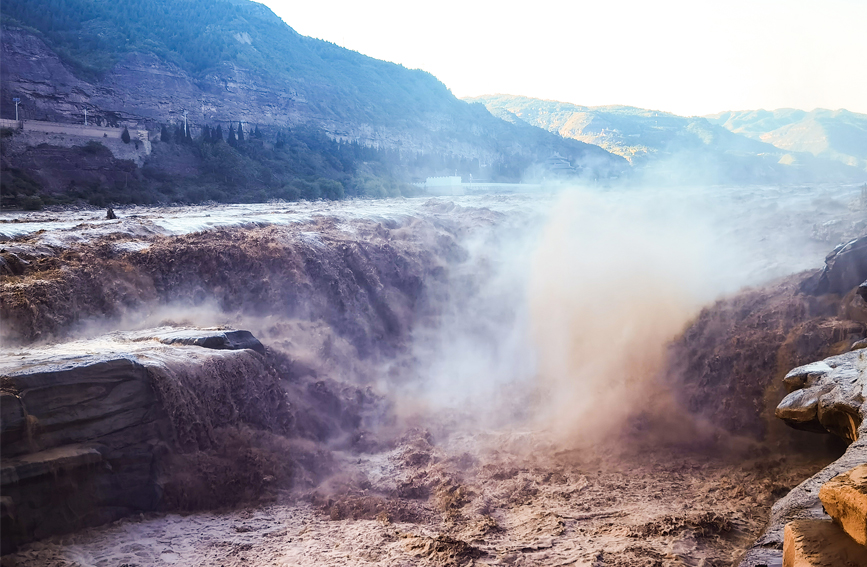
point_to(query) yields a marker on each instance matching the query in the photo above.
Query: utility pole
(185, 123)
(16, 101)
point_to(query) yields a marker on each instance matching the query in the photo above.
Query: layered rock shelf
(84, 425)
(845, 500)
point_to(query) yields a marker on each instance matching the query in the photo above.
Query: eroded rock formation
(845, 500)
(824, 396)
(170, 418)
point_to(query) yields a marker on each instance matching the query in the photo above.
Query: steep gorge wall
(145, 91)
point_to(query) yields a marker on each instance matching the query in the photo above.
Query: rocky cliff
(142, 89)
(824, 397)
(319, 121)
(162, 419)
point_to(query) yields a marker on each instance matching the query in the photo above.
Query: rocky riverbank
(825, 397)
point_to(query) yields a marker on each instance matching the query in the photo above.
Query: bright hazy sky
(687, 57)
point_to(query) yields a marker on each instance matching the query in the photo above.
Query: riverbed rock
(84, 425)
(827, 396)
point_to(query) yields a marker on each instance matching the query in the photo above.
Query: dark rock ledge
(83, 425)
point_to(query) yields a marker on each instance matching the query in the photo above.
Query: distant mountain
(634, 133)
(834, 134)
(650, 139)
(226, 61)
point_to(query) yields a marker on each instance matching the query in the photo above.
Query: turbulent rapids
(574, 379)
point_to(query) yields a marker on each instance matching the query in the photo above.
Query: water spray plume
(607, 294)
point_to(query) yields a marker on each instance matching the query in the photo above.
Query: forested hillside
(319, 112)
(200, 35)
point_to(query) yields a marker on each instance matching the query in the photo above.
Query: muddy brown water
(384, 296)
(418, 505)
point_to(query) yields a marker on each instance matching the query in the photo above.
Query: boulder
(845, 268)
(826, 396)
(84, 426)
(209, 338)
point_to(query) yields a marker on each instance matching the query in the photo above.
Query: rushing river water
(518, 331)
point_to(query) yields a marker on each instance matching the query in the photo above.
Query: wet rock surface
(97, 429)
(845, 268)
(828, 395)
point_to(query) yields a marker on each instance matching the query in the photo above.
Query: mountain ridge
(839, 135)
(648, 137)
(322, 113)
(289, 78)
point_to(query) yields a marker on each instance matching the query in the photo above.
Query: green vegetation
(287, 164)
(294, 164)
(19, 191)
